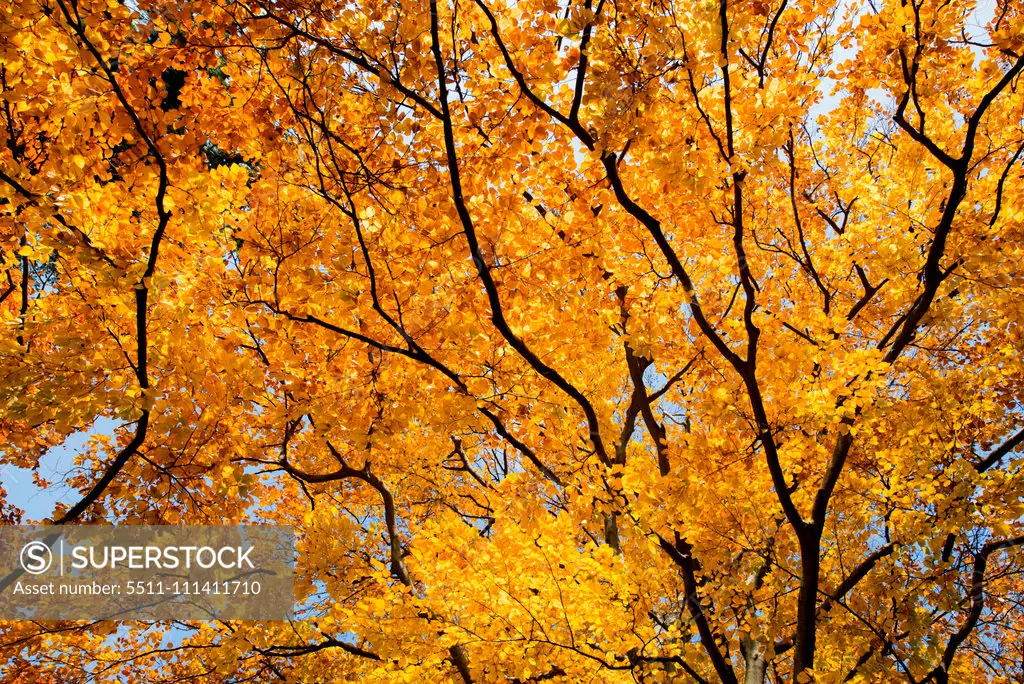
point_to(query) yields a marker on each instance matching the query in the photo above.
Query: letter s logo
(36, 557)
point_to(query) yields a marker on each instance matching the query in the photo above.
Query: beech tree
(579, 341)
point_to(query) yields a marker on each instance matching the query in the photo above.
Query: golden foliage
(604, 342)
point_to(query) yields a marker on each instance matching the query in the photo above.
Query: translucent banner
(146, 572)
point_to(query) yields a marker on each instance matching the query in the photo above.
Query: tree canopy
(597, 340)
